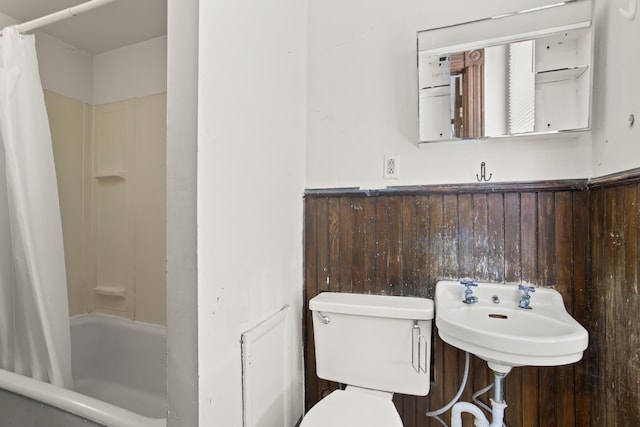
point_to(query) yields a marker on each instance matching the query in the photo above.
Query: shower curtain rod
(60, 15)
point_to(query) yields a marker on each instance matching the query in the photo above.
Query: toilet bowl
(377, 345)
(354, 407)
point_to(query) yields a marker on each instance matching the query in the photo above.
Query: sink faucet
(468, 293)
(525, 298)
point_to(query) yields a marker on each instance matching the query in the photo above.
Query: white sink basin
(505, 335)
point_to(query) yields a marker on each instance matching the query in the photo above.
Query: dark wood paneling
(581, 239)
(311, 385)
(402, 244)
(614, 368)
(595, 359)
(581, 305)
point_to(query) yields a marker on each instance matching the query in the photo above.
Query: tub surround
(110, 162)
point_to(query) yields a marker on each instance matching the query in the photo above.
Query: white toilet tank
(378, 342)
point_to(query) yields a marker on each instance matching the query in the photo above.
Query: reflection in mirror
(435, 98)
(529, 85)
(521, 87)
(467, 80)
(491, 90)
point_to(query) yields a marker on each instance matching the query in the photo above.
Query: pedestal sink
(498, 331)
(507, 326)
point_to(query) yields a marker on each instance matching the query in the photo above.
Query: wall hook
(483, 174)
(630, 13)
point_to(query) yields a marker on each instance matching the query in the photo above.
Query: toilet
(376, 345)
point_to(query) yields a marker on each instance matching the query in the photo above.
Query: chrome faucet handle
(525, 298)
(468, 293)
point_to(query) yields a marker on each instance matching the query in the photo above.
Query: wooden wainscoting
(402, 241)
(615, 300)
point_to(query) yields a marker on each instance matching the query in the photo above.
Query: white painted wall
(182, 263)
(362, 102)
(64, 69)
(133, 71)
(6, 20)
(616, 146)
(251, 144)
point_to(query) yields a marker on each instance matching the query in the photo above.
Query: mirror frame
(472, 36)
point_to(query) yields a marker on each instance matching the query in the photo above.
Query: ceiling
(106, 28)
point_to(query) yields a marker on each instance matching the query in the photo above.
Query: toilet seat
(354, 408)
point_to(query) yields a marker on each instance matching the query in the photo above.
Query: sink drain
(498, 316)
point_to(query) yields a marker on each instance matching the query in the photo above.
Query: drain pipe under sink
(460, 407)
(498, 406)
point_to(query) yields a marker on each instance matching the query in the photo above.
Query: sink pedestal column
(498, 386)
(498, 404)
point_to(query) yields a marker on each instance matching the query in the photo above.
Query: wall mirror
(522, 74)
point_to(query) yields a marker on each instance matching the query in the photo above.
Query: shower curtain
(34, 313)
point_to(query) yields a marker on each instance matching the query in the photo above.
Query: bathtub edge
(75, 403)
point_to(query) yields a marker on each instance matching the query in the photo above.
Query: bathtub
(119, 371)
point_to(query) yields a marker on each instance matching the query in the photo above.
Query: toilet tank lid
(399, 307)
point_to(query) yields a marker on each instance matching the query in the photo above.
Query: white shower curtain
(34, 313)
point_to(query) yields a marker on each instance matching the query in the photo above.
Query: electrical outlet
(391, 166)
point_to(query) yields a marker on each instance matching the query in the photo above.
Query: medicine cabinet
(522, 74)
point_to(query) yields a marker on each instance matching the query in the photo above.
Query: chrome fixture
(468, 293)
(525, 299)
